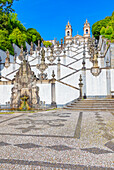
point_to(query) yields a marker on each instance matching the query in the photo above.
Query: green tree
(33, 36)
(5, 42)
(102, 31)
(47, 44)
(109, 30)
(112, 36)
(108, 37)
(6, 6)
(98, 25)
(18, 37)
(96, 28)
(15, 22)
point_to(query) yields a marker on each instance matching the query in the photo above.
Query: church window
(86, 31)
(68, 33)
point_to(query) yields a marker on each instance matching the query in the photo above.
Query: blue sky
(49, 17)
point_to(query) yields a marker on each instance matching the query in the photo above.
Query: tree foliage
(47, 44)
(6, 6)
(106, 24)
(102, 31)
(109, 30)
(13, 31)
(18, 37)
(33, 35)
(5, 42)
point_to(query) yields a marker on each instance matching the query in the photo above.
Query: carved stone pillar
(108, 80)
(84, 73)
(58, 69)
(80, 85)
(84, 82)
(53, 94)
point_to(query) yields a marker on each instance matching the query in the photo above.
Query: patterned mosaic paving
(57, 139)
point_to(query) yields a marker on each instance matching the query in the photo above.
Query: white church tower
(86, 29)
(68, 33)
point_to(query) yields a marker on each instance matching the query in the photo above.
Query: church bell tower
(68, 33)
(86, 29)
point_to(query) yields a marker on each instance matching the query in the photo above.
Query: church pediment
(78, 36)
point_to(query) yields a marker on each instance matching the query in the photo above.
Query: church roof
(78, 36)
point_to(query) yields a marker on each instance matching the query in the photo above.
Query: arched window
(68, 33)
(86, 31)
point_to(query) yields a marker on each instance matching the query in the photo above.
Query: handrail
(68, 85)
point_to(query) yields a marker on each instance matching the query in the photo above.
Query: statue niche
(25, 93)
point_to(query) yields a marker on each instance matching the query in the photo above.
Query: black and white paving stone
(59, 139)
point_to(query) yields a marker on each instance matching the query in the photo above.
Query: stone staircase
(91, 104)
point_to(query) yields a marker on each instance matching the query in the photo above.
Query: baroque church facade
(81, 67)
(68, 33)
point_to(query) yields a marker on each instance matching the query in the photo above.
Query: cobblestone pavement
(58, 139)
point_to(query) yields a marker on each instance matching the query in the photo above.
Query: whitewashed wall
(95, 86)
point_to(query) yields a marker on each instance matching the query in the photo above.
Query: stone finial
(38, 48)
(21, 47)
(7, 60)
(83, 63)
(64, 52)
(51, 53)
(31, 49)
(21, 53)
(7, 53)
(107, 63)
(43, 55)
(80, 85)
(57, 43)
(14, 59)
(80, 79)
(53, 74)
(38, 43)
(32, 45)
(59, 60)
(61, 41)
